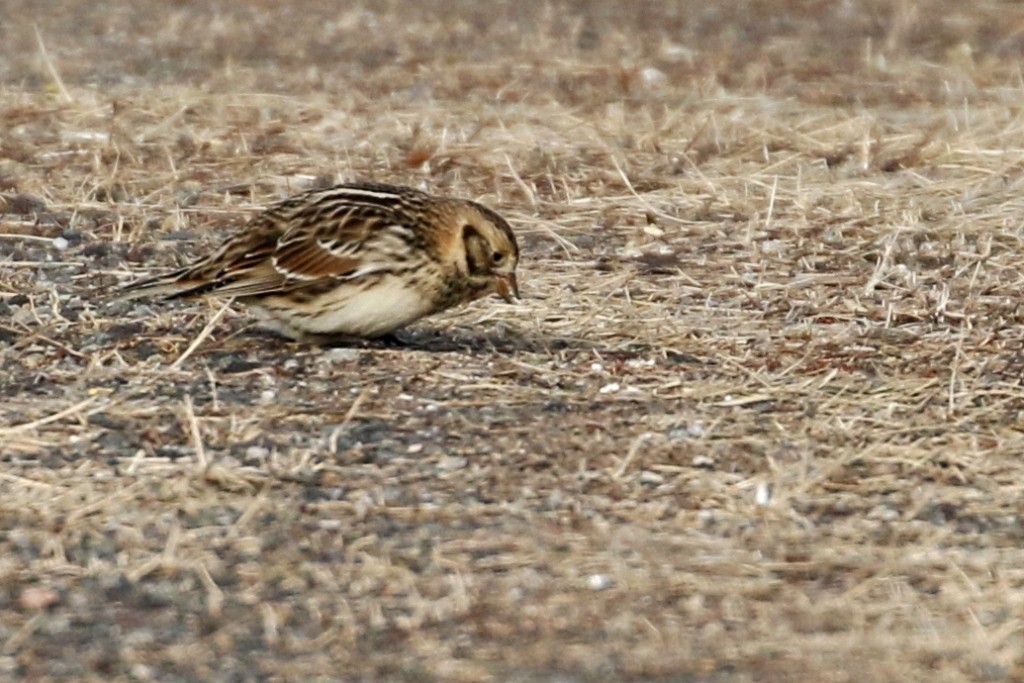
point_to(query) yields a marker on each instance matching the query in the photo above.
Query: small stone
(25, 204)
(249, 546)
(38, 597)
(451, 462)
(707, 516)
(256, 453)
(341, 355)
(674, 52)
(704, 462)
(653, 77)
(651, 478)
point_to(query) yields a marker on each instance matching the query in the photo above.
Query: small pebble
(256, 453)
(651, 478)
(451, 462)
(25, 204)
(653, 77)
(38, 597)
(341, 355)
(674, 52)
(706, 516)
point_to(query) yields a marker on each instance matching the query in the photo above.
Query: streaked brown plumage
(357, 260)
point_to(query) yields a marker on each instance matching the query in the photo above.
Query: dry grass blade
(201, 337)
(70, 411)
(50, 68)
(195, 435)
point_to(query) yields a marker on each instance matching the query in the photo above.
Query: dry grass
(759, 420)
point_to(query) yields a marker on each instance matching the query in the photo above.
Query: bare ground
(759, 418)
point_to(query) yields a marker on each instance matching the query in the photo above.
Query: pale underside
(387, 305)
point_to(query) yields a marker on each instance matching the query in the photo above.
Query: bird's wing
(318, 246)
(240, 258)
(338, 233)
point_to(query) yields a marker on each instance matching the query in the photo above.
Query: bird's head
(492, 253)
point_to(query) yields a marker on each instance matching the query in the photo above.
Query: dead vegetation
(759, 418)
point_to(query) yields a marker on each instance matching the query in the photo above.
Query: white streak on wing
(389, 240)
(291, 274)
(395, 234)
(367, 269)
(361, 192)
(339, 249)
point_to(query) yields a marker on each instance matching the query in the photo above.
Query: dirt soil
(758, 418)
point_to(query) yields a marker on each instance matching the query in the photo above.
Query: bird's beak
(507, 287)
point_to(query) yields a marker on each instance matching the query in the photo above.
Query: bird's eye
(497, 258)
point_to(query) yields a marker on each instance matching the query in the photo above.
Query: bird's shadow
(506, 341)
(503, 341)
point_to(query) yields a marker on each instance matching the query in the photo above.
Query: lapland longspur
(357, 260)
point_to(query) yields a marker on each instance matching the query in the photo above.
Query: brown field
(759, 417)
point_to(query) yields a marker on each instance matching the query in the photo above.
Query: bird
(354, 260)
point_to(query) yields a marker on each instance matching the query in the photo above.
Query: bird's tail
(174, 285)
